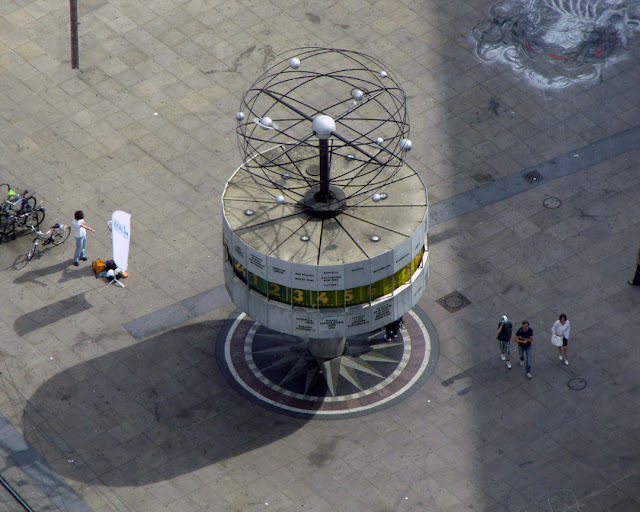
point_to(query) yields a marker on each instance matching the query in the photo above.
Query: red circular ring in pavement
(381, 375)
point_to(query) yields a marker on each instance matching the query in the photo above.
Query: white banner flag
(120, 238)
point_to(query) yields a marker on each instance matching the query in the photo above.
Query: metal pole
(324, 195)
(18, 498)
(73, 14)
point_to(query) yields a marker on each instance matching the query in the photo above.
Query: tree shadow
(149, 412)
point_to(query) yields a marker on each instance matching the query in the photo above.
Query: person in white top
(80, 234)
(562, 328)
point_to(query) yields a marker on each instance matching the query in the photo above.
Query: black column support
(324, 194)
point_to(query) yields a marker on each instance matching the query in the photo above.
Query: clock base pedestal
(327, 348)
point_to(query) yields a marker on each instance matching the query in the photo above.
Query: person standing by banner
(80, 234)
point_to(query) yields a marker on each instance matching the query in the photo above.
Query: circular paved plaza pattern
(278, 372)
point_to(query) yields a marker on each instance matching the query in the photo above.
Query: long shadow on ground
(149, 412)
(51, 313)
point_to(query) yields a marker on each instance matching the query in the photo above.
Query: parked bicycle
(7, 226)
(18, 211)
(29, 219)
(17, 204)
(55, 236)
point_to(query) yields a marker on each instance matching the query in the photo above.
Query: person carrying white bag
(560, 336)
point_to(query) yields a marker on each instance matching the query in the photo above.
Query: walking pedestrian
(390, 330)
(504, 339)
(399, 325)
(636, 278)
(524, 337)
(80, 234)
(562, 329)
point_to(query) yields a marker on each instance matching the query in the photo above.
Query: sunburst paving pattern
(286, 362)
(278, 371)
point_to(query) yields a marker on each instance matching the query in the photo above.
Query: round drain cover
(551, 202)
(577, 384)
(454, 301)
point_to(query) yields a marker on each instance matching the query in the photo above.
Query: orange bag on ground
(98, 266)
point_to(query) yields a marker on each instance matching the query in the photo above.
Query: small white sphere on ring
(266, 123)
(406, 145)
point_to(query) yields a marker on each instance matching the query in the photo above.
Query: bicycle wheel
(60, 234)
(30, 203)
(32, 251)
(34, 218)
(7, 227)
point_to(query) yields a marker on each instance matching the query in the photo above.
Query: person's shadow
(148, 412)
(33, 276)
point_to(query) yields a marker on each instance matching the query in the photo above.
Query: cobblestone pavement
(146, 125)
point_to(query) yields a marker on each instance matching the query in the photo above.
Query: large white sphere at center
(323, 126)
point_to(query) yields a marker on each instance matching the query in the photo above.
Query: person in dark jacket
(524, 337)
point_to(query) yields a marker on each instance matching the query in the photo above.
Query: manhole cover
(551, 202)
(577, 384)
(533, 177)
(453, 302)
(313, 170)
